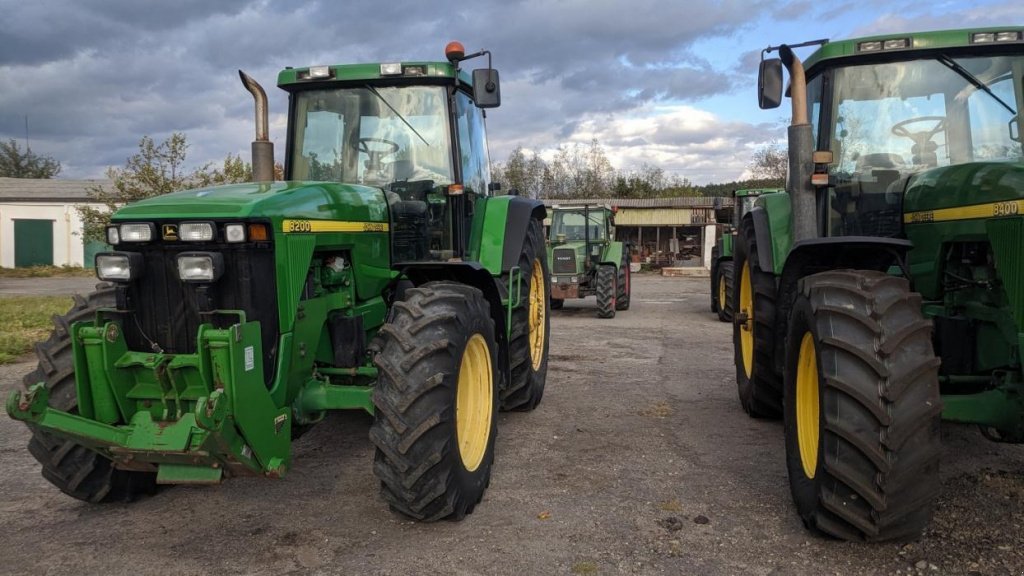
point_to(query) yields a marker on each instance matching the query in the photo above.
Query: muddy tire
(753, 304)
(606, 289)
(76, 470)
(531, 327)
(723, 291)
(862, 407)
(623, 283)
(437, 363)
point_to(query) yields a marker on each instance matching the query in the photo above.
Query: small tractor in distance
(882, 292)
(585, 260)
(383, 275)
(722, 253)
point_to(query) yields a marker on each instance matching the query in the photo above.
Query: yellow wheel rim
(747, 327)
(474, 402)
(538, 309)
(807, 405)
(721, 292)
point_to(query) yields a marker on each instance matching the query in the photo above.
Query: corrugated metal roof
(653, 217)
(676, 202)
(47, 190)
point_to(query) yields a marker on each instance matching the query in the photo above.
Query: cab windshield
(377, 136)
(895, 119)
(574, 226)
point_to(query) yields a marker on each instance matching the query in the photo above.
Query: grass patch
(27, 320)
(47, 272)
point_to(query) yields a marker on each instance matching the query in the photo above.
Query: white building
(39, 224)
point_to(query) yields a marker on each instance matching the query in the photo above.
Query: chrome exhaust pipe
(262, 147)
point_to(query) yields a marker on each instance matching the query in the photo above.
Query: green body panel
(964, 185)
(487, 238)
(725, 246)
(780, 226)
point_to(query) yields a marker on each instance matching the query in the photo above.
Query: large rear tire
(753, 304)
(531, 326)
(436, 402)
(862, 407)
(606, 290)
(723, 291)
(76, 470)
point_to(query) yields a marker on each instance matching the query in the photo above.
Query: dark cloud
(94, 76)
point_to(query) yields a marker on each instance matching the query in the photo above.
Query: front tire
(76, 470)
(753, 304)
(862, 407)
(606, 290)
(723, 291)
(531, 326)
(436, 402)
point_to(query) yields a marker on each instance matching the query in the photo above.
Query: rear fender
(838, 252)
(506, 221)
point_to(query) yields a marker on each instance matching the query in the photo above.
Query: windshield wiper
(400, 117)
(966, 75)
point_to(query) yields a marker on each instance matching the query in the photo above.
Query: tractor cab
(415, 130)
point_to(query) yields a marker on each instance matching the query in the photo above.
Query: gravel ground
(639, 461)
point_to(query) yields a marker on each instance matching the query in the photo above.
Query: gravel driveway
(639, 460)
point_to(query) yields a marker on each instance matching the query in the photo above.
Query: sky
(668, 83)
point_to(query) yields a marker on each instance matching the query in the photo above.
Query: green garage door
(33, 243)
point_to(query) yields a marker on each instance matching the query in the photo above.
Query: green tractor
(723, 252)
(586, 260)
(882, 292)
(382, 276)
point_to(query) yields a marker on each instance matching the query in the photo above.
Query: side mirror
(1015, 123)
(769, 84)
(486, 91)
(493, 187)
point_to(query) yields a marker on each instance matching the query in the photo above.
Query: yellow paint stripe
(304, 226)
(991, 210)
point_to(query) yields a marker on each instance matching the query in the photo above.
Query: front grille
(165, 312)
(564, 261)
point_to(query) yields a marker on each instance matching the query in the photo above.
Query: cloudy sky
(666, 82)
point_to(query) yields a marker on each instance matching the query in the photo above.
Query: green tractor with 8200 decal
(382, 276)
(883, 292)
(722, 254)
(585, 260)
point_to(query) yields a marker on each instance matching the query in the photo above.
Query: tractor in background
(882, 291)
(586, 260)
(384, 276)
(722, 253)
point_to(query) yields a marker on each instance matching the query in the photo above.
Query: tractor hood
(964, 185)
(279, 200)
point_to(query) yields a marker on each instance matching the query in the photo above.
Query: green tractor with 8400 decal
(884, 291)
(586, 260)
(382, 276)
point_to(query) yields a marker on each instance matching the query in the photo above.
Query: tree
(154, 170)
(770, 162)
(17, 164)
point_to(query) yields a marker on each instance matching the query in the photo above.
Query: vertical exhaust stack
(262, 147)
(801, 151)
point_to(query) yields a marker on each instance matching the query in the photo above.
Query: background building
(39, 224)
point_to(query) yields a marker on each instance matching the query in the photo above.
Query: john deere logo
(170, 232)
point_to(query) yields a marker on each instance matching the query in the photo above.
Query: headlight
(140, 232)
(234, 233)
(118, 266)
(195, 231)
(200, 266)
(113, 237)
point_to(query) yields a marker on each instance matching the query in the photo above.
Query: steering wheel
(900, 128)
(364, 146)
